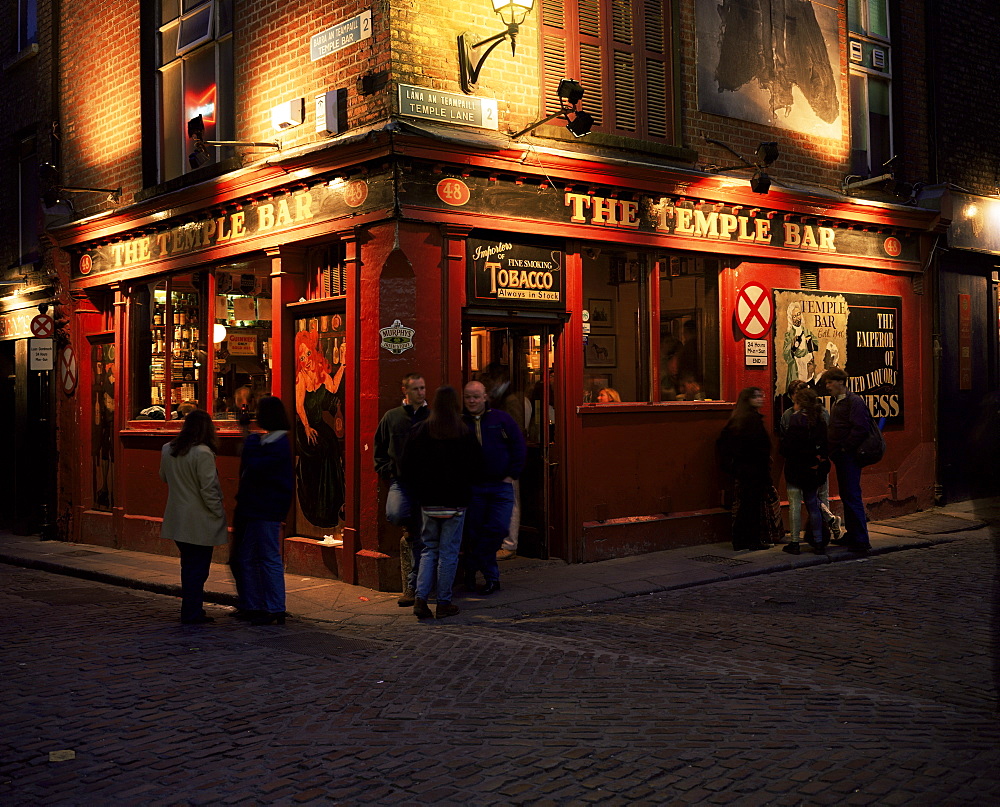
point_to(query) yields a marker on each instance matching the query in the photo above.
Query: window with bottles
(652, 327)
(190, 350)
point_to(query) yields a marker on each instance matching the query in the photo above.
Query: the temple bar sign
(515, 275)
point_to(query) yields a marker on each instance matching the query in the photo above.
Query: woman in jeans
(439, 461)
(267, 484)
(194, 517)
(804, 447)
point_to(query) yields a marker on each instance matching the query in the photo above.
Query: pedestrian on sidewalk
(194, 517)
(831, 522)
(504, 451)
(849, 426)
(401, 507)
(439, 459)
(264, 496)
(804, 447)
(744, 449)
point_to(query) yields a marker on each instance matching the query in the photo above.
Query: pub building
(324, 276)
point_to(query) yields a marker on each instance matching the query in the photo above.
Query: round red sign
(453, 191)
(754, 310)
(68, 371)
(86, 264)
(42, 326)
(892, 246)
(355, 193)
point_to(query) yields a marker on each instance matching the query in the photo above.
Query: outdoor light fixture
(48, 173)
(513, 13)
(765, 154)
(570, 93)
(888, 172)
(200, 156)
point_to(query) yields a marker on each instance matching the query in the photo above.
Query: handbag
(872, 448)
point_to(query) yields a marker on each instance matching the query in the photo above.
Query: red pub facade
(547, 266)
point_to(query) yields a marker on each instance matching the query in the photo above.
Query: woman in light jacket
(194, 517)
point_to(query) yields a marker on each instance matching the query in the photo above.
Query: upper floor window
(620, 52)
(27, 23)
(195, 63)
(870, 85)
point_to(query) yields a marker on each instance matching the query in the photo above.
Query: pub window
(620, 51)
(870, 86)
(195, 64)
(190, 350)
(634, 298)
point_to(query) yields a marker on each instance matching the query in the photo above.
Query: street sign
(754, 310)
(68, 370)
(41, 354)
(43, 326)
(340, 36)
(448, 107)
(756, 352)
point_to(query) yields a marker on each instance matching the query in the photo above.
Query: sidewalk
(529, 585)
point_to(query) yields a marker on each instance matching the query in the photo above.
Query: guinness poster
(859, 333)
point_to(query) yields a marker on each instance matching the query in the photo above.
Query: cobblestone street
(861, 682)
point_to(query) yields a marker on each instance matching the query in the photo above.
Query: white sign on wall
(756, 352)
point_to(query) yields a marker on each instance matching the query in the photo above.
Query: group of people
(810, 439)
(451, 474)
(196, 520)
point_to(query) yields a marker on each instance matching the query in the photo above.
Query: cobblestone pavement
(863, 682)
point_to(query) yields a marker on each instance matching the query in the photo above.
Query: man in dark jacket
(488, 518)
(849, 425)
(401, 508)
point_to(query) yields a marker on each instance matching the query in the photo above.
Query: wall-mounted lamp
(49, 174)
(570, 93)
(764, 155)
(200, 156)
(513, 13)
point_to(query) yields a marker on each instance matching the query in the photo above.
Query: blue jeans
(257, 567)
(815, 515)
(196, 560)
(795, 507)
(849, 482)
(442, 540)
(401, 510)
(489, 522)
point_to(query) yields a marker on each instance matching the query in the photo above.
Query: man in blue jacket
(849, 425)
(488, 517)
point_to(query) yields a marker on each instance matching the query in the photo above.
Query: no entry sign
(42, 326)
(754, 310)
(68, 370)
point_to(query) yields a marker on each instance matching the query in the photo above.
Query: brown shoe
(407, 598)
(420, 609)
(506, 554)
(446, 609)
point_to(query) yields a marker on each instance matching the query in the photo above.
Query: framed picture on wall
(601, 351)
(602, 312)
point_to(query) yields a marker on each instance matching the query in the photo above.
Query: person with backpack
(804, 447)
(850, 427)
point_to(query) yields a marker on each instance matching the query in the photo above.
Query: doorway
(516, 365)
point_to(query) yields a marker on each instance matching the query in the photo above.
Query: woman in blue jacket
(267, 484)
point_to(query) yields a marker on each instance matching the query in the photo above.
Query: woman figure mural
(320, 471)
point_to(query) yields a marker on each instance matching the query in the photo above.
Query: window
(870, 86)
(27, 23)
(620, 52)
(634, 298)
(28, 208)
(188, 351)
(195, 62)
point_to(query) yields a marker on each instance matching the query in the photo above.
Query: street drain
(315, 643)
(78, 596)
(720, 560)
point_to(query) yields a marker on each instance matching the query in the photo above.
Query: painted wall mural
(321, 359)
(773, 62)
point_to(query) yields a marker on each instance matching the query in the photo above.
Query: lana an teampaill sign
(513, 275)
(859, 333)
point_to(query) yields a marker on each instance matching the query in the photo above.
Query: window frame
(578, 41)
(863, 44)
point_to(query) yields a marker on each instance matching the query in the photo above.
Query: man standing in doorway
(488, 518)
(401, 508)
(849, 419)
